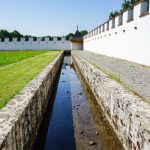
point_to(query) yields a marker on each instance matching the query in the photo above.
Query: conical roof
(77, 37)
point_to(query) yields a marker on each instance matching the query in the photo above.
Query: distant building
(77, 41)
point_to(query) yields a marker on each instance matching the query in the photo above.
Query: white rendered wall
(35, 45)
(76, 46)
(130, 41)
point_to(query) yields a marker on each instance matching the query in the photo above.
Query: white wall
(130, 41)
(76, 45)
(35, 45)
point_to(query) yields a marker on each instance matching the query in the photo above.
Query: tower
(77, 41)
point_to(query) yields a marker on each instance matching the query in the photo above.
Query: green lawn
(14, 77)
(9, 57)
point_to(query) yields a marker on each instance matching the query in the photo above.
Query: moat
(74, 120)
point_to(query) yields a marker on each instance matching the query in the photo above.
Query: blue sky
(54, 17)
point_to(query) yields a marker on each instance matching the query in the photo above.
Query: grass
(14, 77)
(117, 79)
(9, 57)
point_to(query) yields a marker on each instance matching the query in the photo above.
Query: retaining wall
(21, 117)
(127, 114)
(126, 36)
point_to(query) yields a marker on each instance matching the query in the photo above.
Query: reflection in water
(60, 132)
(75, 119)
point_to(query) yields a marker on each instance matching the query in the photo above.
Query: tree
(83, 32)
(127, 5)
(4, 34)
(27, 37)
(134, 1)
(113, 14)
(34, 38)
(58, 38)
(10, 35)
(69, 35)
(15, 34)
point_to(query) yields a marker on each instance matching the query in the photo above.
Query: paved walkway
(134, 76)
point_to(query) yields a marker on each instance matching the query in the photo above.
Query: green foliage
(69, 35)
(34, 38)
(50, 38)
(9, 57)
(14, 77)
(15, 34)
(58, 38)
(10, 35)
(134, 1)
(27, 37)
(83, 32)
(127, 5)
(4, 34)
(113, 14)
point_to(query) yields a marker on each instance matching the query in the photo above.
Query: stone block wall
(21, 118)
(127, 113)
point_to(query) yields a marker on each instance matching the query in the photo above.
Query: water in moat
(74, 120)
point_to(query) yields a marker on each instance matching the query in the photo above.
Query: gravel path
(134, 76)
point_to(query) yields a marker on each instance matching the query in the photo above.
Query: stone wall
(21, 118)
(127, 114)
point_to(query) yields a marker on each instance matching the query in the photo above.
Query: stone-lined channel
(74, 120)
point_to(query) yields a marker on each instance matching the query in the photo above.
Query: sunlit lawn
(8, 57)
(15, 76)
